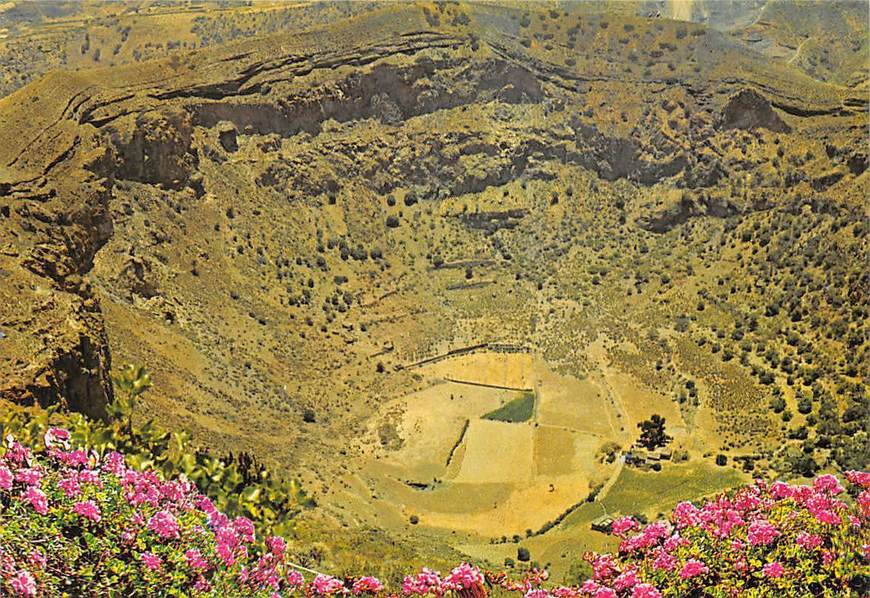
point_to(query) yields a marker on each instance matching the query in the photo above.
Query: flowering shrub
(272, 502)
(762, 540)
(77, 521)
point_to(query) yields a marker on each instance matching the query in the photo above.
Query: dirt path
(797, 52)
(599, 353)
(605, 489)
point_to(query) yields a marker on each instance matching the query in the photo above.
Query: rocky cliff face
(749, 110)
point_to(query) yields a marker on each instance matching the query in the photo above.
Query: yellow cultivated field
(640, 402)
(502, 477)
(571, 403)
(432, 422)
(497, 452)
(561, 451)
(514, 370)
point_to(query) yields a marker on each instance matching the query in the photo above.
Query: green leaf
(250, 494)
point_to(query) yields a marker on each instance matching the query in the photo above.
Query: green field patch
(652, 493)
(516, 411)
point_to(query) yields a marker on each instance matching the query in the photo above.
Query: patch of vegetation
(516, 411)
(237, 484)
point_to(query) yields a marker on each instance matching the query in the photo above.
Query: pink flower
(244, 528)
(264, 572)
(761, 533)
(664, 561)
(89, 476)
(645, 590)
(28, 476)
(164, 524)
(605, 593)
(864, 503)
(828, 484)
(603, 567)
(173, 491)
(23, 583)
(56, 435)
(423, 583)
(37, 500)
(650, 536)
(326, 585)
(219, 521)
(367, 585)
(781, 490)
(463, 577)
(69, 486)
(625, 581)
(16, 453)
(151, 561)
(808, 541)
(623, 525)
(195, 560)
(113, 462)
(276, 545)
(823, 509)
(773, 570)
(205, 505)
(295, 579)
(693, 568)
(859, 478)
(5, 478)
(227, 544)
(87, 509)
(686, 514)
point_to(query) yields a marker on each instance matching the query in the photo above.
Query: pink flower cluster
(766, 535)
(776, 533)
(88, 509)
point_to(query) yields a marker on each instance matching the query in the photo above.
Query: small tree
(652, 433)
(131, 382)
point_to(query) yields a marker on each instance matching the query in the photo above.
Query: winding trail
(605, 489)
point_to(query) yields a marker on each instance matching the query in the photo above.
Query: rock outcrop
(748, 109)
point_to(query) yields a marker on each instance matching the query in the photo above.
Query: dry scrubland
(301, 232)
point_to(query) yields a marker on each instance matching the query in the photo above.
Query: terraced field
(458, 470)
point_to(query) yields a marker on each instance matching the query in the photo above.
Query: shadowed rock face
(750, 110)
(246, 190)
